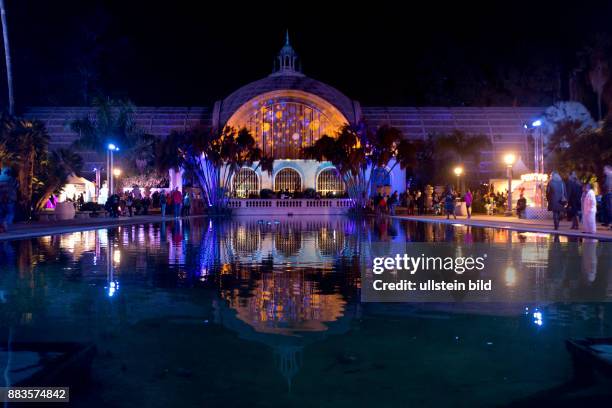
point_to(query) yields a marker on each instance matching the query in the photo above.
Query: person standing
(449, 203)
(392, 202)
(129, 203)
(521, 206)
(556, 197)
(469, 198)
(186, 203)
(574, 197)
(606, 201)
(177, 199)
(162, 202)
(589, 209)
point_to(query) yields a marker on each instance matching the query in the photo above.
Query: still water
(258, 312)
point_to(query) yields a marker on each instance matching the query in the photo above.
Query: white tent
(76, 186)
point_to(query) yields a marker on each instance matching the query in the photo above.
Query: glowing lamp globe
(509, 159)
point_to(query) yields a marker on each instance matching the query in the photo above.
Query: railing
(304, 204)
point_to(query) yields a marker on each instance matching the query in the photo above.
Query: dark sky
(177, 53)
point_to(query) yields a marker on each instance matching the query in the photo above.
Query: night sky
(175, 53)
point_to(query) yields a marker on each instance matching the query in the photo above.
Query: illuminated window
(283, 128)
(329, 181)
(287, 179)
(245, 182)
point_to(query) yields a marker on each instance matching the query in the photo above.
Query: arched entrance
(288, 179)
(245, 182)
(330, 182)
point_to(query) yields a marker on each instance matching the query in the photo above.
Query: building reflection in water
(287, 283)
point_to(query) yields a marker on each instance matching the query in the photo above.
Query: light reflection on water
(287, 284)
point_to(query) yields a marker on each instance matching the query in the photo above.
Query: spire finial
(286, 60)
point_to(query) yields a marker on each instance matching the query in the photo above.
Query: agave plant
(213, 158)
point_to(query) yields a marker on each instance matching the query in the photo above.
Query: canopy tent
(75, 186)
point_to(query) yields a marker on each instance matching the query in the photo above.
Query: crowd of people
(135, 202)
(578, 201)
(384, 203)
(569, 198)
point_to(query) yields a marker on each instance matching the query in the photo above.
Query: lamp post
(509, 159)
(97, 171)
(111, 148)
(458, 172)
(535, 128)
(116, 173)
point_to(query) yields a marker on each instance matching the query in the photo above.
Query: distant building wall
(503, 125)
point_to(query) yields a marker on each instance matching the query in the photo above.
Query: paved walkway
(513, 223)
(40, 228)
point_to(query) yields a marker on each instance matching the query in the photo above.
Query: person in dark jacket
(521, 206)
(449, 203)
(574, 195)
(556, 196)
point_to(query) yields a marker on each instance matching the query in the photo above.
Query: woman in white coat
(589, 209)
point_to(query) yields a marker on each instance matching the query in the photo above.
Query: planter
(64, 211)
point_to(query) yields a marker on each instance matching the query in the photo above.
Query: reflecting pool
(267, 312)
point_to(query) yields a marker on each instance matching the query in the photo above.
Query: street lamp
(535, 128)
(458, 171)
(110, 149)
(509, 159)
(116, 173)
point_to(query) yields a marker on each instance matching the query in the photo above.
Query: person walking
(574, 198)
(589, 209)
(469, 198)
(449, 203)
(162, 202)
(556, 197)
(177, 199)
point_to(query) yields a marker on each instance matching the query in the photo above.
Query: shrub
(91, 206)
(478, 206)
(310, 193)
(266, 193)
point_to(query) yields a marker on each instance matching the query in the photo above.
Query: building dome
(287, 110)
(288, 82)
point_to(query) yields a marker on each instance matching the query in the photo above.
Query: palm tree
(27, 141)
(464, 146)
(355, 149)
(62, 164)
(7, 57)
(113, 122)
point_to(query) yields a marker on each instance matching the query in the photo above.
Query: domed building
(287, 111)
